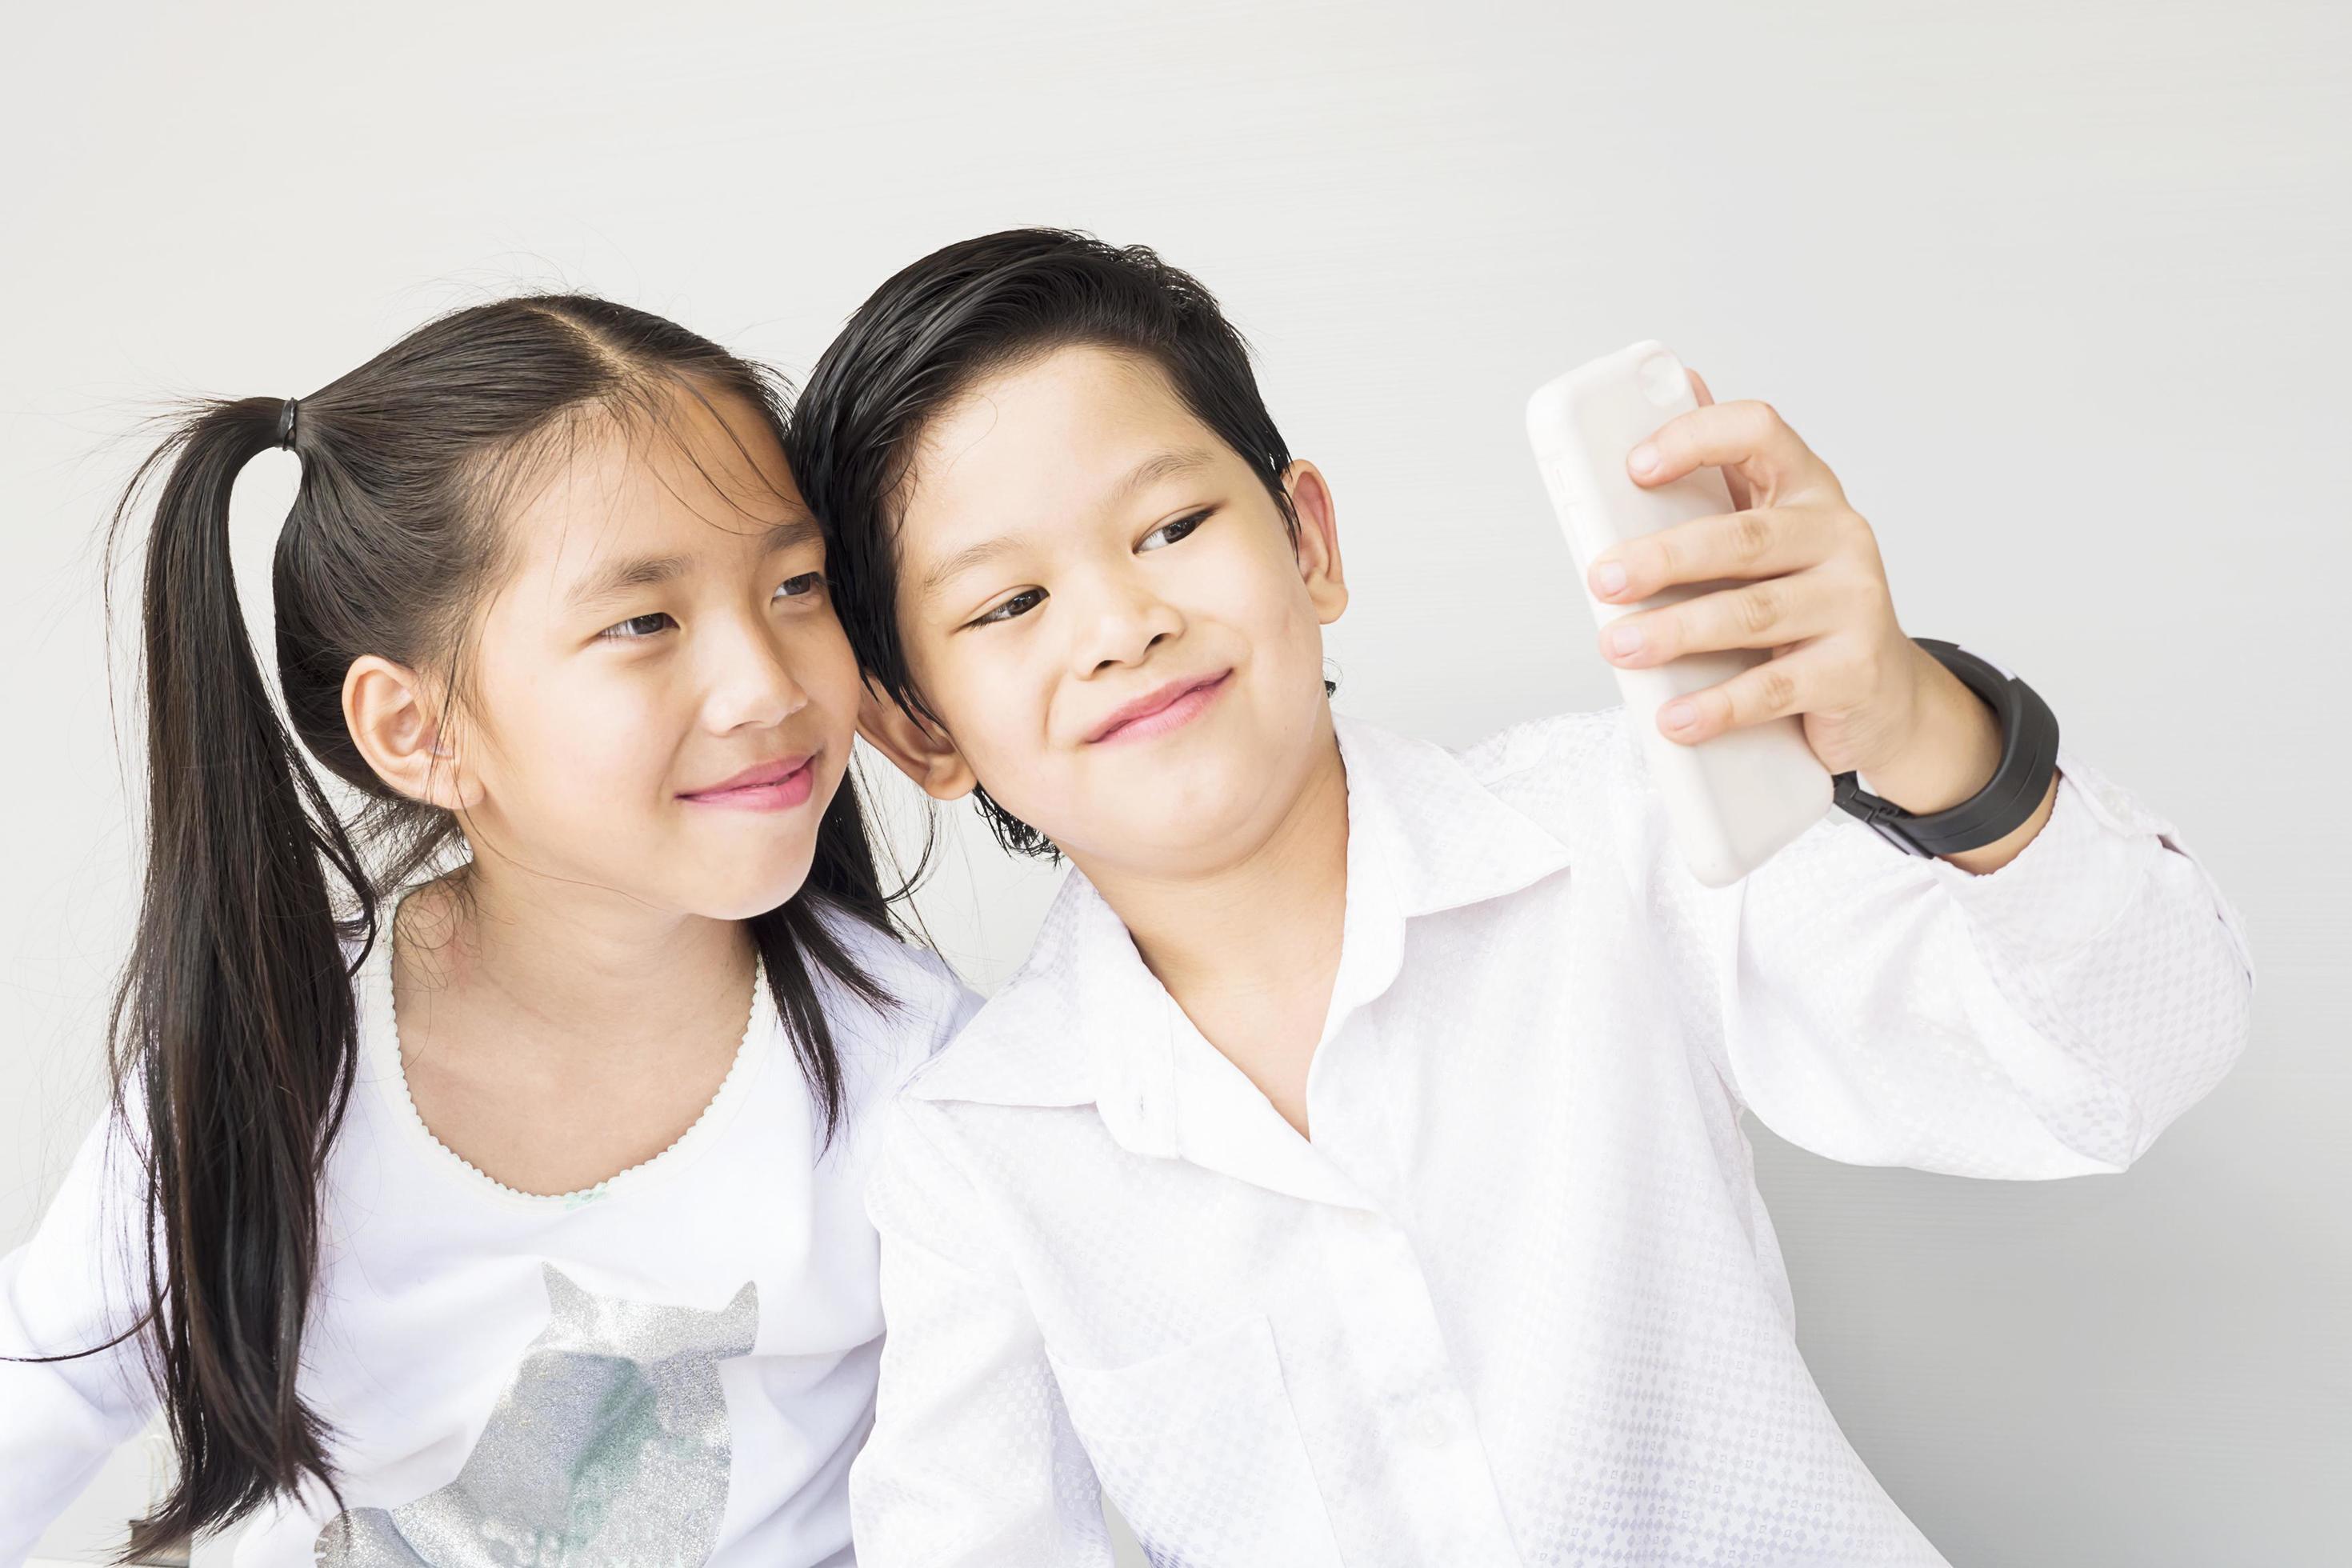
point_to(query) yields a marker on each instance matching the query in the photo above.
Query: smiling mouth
(771, 786)
(1171, 706)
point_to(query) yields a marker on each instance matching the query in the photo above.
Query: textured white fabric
(439, 1291)
(1518, 1301)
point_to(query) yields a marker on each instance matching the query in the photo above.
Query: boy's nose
(1123, 624)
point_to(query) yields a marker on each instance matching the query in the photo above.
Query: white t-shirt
(1518, 1301)
(674, 1367)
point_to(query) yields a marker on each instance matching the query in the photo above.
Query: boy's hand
(1812, 588)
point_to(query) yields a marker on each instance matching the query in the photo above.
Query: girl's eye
(1020, 604)
(637, 626)
(1168, 533)
(801, 587)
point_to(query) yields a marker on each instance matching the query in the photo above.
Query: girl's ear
(923, 752)
(1318, 539)
(390, 712)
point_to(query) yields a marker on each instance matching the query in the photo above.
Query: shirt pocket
(1201, 1453)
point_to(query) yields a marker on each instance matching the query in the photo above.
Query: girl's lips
(771, 786)
(1171, 708)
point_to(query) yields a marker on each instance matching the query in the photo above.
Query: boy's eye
(1020, 604)
(637, 626)
(801, 587)
(1168, 533)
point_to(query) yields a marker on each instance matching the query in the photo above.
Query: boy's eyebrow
(964, 559)
(618, 577)
(1150, 471)
(1167, 464)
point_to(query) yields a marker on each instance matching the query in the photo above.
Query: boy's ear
(923, 752)
(1318, 539)
(396, 721)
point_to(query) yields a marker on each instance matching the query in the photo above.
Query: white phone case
(1734, 800)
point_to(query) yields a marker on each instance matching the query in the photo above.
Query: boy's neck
(1250, 950)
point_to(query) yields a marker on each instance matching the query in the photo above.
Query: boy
(1353, 1172)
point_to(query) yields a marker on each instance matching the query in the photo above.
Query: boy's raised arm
(2047, 1019)
(972, 1462)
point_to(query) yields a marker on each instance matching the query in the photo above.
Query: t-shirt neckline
(380, 1051)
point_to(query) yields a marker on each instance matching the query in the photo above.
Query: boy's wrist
(1979, 758)
(1953, 749)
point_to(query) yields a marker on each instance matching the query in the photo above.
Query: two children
(1353, 1173)
(487, 1185)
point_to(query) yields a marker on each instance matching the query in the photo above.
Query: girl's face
(659, 701)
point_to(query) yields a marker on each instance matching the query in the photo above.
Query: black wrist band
(2029, 755)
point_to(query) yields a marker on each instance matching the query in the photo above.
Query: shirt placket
(1386, 1415)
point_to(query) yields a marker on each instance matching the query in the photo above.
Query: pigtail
(235, 1030)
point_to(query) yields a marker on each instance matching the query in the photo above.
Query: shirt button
(1434, 1429)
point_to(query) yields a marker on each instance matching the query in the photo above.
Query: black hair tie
(286, 420)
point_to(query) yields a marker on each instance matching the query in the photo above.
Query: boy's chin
(1175, 843)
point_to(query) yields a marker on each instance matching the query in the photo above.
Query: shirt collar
(1085, 1022)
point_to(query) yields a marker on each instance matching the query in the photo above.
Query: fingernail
(1644, 459)
(1609, 578)
(1624, 639)
(1678, 715)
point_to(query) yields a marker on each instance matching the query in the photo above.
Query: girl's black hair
(235, 1030)
(964, 312)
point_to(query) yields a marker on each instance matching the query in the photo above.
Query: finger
(1746, 438)
(1732, 481)
(1755, 615)
(1773, 689)
(1766, 543)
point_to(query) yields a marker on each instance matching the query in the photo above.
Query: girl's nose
(751, 681)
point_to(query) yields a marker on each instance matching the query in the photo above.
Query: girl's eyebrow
(616, 578)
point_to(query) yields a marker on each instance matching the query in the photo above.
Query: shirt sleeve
(64, 1291)
(2047, 1019)
(972, 1462)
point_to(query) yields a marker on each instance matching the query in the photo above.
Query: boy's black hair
(964, 312)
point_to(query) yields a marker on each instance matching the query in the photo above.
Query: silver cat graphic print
(609, 1449)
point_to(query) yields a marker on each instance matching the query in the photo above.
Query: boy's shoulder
(1581, 776)
(927, 1001)
(1589, 750)
(1024, 1045)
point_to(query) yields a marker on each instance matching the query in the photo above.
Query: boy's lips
(1171, 706)
(766, 786)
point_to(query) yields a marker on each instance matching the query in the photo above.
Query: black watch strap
(2029, 755)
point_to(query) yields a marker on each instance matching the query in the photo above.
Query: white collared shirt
(1518, 1301)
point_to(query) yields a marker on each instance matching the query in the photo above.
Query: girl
(484, 1181)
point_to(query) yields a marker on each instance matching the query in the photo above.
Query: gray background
(2056, 289)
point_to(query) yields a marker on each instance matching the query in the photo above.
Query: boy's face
(1100, 600)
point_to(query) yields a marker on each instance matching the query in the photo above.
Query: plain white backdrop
(2057, 289)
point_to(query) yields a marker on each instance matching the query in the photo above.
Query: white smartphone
(1736, 799)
